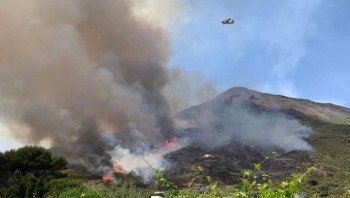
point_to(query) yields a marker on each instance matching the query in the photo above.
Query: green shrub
(82, 192)
(126, 192)
(255, 183)
(57, 186)
(22, 186)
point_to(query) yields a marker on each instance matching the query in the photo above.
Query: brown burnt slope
(225, 164)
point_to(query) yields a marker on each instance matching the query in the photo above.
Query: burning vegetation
(172, 143)
(107, 178)
(93, 69)
(93, 81)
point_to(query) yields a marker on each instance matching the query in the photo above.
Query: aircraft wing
(228, 21)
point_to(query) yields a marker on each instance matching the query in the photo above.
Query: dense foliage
(33, 159)
(25, 171)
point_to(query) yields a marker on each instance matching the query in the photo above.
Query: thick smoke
(72, 70)
(89, 77)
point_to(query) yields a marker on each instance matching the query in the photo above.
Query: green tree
(4, 165)
(57, 186)
(40, 189)
(33, 162)
(34, 159)
(58, 163)
(14, 183)
(30, 181)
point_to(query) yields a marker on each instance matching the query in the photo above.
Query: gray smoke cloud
(90, 77)
(216, 123)
(72, 70)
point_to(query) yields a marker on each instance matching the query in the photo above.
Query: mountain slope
(240, 126)
(295, 107)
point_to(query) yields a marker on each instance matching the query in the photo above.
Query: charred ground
(330, 140)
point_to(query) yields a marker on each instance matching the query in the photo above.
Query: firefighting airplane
(228, 21)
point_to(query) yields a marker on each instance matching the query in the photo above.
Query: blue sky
(296, 48)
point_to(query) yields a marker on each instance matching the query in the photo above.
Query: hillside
(238, 111)
(299, 108)
(235, 130)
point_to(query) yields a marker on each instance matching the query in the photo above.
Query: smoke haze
(217, 123)
(90, 78)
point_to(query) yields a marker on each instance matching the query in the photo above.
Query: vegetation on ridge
(46, 180)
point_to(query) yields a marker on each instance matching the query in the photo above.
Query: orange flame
(106, 178)
(171, 143)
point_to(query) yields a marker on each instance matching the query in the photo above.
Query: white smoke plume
(217, 123)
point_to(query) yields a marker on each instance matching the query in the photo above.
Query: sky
(295, 48)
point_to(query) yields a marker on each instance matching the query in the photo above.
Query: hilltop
(296, 107)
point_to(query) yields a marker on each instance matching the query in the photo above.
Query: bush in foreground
(255, 183)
